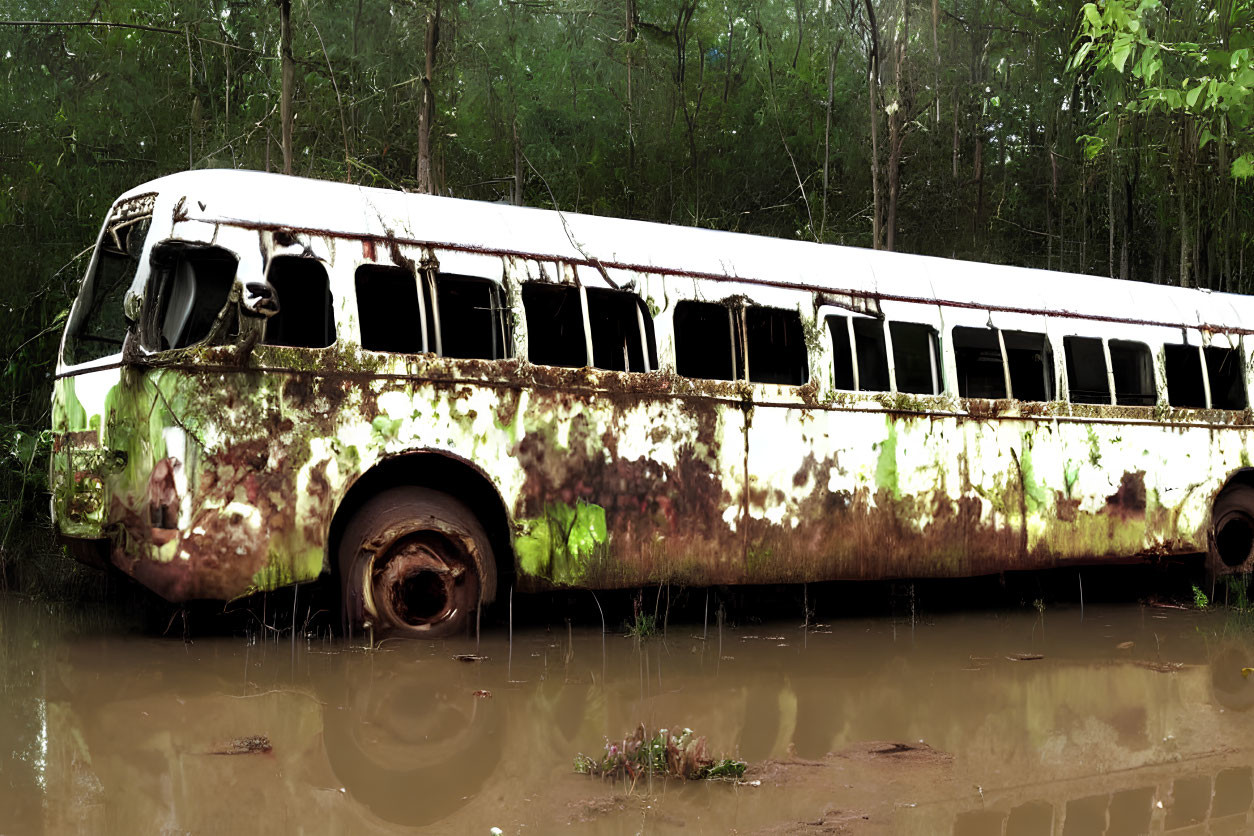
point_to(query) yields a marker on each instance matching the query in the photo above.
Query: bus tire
(414, 562)
(1232, 527)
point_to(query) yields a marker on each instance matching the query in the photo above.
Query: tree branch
(107, 25)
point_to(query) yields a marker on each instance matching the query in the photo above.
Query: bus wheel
(414, 562)
(1233, 525)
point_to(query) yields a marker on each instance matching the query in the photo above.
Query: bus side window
(1087, 381)
(872, 358)
(1184, 376)
(1030, 360)
(916, 358)
(978, 356)
(622, 331)
(841, 351)
(388, 309)
(705, 341)
(776, 346)
(473, 324)
(554, 325)
(188, 290)
(305, 318)
(1133, 372)
(868, 339)
(1227, 377)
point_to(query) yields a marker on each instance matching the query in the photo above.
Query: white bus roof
(272, 200)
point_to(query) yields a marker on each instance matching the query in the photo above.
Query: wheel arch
(440, 471)
(1234, 502)
(1241, 476)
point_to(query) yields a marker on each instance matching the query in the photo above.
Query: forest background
(1114, 138)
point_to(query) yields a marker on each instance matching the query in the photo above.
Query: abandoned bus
(266, 380)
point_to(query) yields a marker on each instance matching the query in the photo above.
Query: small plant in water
(662, 754)
(1200, 601)
(642, 625)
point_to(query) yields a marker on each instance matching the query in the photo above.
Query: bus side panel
(81, 465)
(622, 489)
(230, 481)
(1114, 491)
(850, 493)
(863, 493)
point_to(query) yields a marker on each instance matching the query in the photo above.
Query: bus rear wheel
(414, 562)
(1232, 530)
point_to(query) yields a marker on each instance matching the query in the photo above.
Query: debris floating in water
(257, 744)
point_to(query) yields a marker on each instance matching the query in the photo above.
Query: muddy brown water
(1129, 719)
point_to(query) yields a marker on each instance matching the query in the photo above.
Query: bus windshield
(99, 323)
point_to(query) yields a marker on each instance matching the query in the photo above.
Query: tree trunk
(1186, 247)
(426, 116)
(827, 136)
(518, 165)
(288, 72)
(872, 87)
(631, 124)
(897, 127)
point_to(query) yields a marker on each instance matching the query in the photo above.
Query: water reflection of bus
(409, 736)
(266, 380)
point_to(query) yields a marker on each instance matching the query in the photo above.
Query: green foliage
(643, 625)
(1196, 75)
(1200, 601)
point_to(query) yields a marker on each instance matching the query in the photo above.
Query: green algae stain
(562, 543)
(1070, 475)
(1095, 453)
(384, 429)
(1035, 496)
(886, 465)
(286, 567)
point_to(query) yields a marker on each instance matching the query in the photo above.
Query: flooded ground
(1122, 719)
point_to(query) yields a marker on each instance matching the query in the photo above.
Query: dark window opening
(777, 349)
(705, 343)
(305, 318)
(1133, 370)
(554, 325)
(1087, 381)
(100, 324)
(977, 353)
(841, 352)
(916, 358)
(1031, 363)
(1227, 377)
(868, 339)
(1183, 366)
(188, 289)
(388, 309)
(474, 322)
(618, 343)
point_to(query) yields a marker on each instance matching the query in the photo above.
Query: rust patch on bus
(1129, 501)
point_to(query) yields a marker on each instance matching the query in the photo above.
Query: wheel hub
(420, 582)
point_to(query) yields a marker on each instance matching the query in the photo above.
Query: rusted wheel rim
(422, 581)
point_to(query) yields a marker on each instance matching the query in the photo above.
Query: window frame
(647, 335)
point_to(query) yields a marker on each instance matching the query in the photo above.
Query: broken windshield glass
(99, 324)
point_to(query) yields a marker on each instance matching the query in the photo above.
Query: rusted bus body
(227, 465)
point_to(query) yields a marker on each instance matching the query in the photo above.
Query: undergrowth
(663, 754)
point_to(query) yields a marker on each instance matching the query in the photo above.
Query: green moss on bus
(561, 545)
